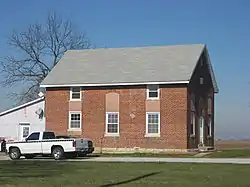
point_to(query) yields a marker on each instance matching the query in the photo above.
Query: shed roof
(22, 106)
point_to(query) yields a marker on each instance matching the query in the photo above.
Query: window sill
(153, 98)
(152, 135)
(74, 130)
(111, 134)
(75, 100)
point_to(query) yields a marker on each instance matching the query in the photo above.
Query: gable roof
(22, 106)
(126, 66)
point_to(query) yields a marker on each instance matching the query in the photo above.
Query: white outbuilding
(18, 122)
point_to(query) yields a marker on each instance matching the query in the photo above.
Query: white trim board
(113, 84)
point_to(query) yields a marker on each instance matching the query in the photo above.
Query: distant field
(228, 144)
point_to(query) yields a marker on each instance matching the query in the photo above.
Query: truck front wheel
(15, 153)
(58, 153)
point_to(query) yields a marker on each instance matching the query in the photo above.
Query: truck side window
(48, 135)
(34, 136)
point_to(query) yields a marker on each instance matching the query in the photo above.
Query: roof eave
(113, 84)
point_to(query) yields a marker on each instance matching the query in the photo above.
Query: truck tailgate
(83, 143)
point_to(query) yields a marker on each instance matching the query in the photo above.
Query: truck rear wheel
(58, 153)
(15, 153)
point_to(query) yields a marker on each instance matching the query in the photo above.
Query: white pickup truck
(46, 144)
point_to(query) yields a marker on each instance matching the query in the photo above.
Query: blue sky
(223, 25)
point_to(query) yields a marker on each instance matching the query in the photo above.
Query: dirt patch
(228, 144)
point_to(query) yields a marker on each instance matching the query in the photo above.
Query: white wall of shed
(9, 123)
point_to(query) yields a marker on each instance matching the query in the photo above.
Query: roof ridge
(138, 47)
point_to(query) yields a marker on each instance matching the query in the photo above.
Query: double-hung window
(75, 93)
(75, 120)
(152, 124)
(112, 123)
(153, 92)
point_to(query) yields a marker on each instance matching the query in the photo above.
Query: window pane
(112, 118)
(154, 118)
(112, 128)
(152, 94)
(76, 95)
(153, 128)
(26, 131)
(75, 124)
(75, 116)
(153, 88)
(209, 103)
(109, 118)
(76, 89)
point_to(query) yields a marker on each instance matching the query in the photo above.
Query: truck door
(32, 144)
(47, 142)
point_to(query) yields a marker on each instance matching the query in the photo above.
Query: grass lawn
(233, 153)
(84, 174)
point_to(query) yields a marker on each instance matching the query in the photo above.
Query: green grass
(234, 153)
(88, 174)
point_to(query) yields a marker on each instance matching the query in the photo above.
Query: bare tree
(41, 47)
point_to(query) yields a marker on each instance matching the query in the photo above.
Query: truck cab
(38, 136)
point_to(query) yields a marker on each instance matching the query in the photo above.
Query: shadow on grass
(131, 180)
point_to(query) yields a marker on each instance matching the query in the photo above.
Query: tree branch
(40, 48)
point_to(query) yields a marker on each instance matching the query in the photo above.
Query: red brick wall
(173, 106)
(56, 110)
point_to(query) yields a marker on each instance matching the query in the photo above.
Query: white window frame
(158, 92)
(193, 119)
(71, 93)
(23, 125)
(118, 125)
(159, 125)
(75, 112)
(201, 80)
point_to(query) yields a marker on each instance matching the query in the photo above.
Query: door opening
(24, 130)
(201, 130)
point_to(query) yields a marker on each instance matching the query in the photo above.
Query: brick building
(158, 98)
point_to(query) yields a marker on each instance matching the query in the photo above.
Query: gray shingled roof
(126, 65)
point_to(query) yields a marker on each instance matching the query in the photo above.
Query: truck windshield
(48, 135)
